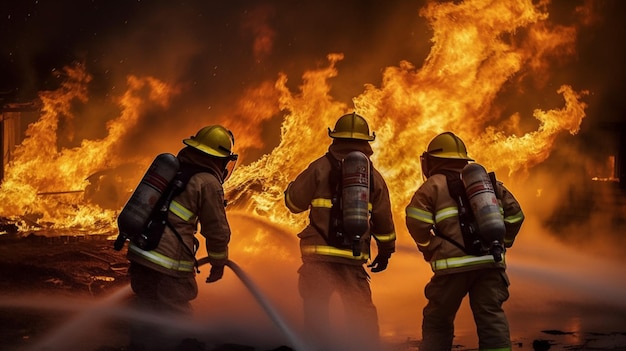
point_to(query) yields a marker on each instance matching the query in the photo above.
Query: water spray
(68, 330)
(297, 344)
(102, 309)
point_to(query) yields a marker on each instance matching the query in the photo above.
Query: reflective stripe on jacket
(463, 261)
(432, 205)
(162, 260)
(331, 251)
(311, 191)
(202, 201)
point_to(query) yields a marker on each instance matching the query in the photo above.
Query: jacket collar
(341, 147)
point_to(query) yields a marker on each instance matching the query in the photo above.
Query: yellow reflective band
(182, 212)
(162, 260)
(218, 255)
(385, 237)
(327, 203)
(332, 251)
(291, 205)
(462, 261)
(319, 202)
(424, 244)
(445, 213)
(420, 215)
(518, 217)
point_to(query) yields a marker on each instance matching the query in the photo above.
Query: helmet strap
(425, 166)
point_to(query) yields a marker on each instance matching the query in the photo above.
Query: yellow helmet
(448, 145)
(351, 126)
(213, 140)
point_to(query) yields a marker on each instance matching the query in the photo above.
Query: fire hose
(267, 307)
(64, 332)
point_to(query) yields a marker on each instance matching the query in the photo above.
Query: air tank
(482, 199)
(355, 173)
(134, 217)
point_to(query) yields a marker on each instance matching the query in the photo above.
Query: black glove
(379, 264)
(217, 272)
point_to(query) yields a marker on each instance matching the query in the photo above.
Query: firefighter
(329, 266)
(433, 220)
(163, 279)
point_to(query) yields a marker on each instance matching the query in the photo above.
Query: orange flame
(40, 167)
(482, 53)
(476, 51)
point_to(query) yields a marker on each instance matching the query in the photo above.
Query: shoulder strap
(336, 236)
(494, 184)
(178, 186)
(335, 226)
(188, 170)
(456, 190)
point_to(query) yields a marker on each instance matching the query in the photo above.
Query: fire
(477, 48)
(484, 55)
(40, 167)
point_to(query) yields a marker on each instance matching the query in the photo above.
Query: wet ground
(37, 272)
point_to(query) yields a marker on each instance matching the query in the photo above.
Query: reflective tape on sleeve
(420, 215)
(182, 212)
(444, 213)
(516, 218)
(385, 237)
(218, 255)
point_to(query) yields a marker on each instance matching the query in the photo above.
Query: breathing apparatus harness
(337, 235)
(471, 236)
(179, 184)
(155, 227)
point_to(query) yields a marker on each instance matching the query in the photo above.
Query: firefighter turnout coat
(311, 190)
(202, 201)
(432, 206)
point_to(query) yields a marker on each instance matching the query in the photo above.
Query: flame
(477, 48)
(41, 167)
(484, 56)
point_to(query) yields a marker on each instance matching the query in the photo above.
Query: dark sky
(39, 36)
(211, 45)
(211, 42)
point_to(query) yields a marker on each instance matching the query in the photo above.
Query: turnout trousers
(487, 289)
(160, 296)
(317, 282)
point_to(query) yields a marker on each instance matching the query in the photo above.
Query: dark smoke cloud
(220, 45)
(213, 50)
(218, 49)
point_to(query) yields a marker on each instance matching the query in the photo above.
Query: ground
(37, 273)
(37, 268)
